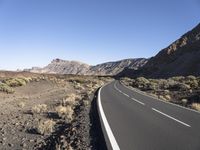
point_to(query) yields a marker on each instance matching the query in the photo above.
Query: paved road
(139, 122)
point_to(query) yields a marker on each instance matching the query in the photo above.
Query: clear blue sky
(33, 32)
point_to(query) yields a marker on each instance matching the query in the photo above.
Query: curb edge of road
(145, 94)
(105, 123)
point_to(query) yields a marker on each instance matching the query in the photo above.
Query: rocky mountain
(113, 68)
(59, 66)
(182, 57)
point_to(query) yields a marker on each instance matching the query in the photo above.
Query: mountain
(113, 68)
(58, 66)
(182, 57)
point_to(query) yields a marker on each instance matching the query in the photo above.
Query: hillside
(182, 57)
(59, 66)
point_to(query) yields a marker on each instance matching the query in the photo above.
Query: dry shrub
(71, 100)
(86, 103)
(65, 112)
(167, 97)
(40, 108)
(196, 106)
(45, 127)
(21, 104)
(5, 88)
(15, 82)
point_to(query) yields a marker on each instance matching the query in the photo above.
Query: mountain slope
(182, 57)
(113, 68)
(59, 66)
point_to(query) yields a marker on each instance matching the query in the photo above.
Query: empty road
(133, 121)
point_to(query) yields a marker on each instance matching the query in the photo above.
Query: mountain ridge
(59, 66)
(182, 57)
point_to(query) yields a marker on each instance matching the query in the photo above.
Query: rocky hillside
(59, 66)
(113, 68)
(182, 57)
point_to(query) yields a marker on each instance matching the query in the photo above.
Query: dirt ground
(18, 122)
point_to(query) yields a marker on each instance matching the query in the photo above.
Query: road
(134, 121)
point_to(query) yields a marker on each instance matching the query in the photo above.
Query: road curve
(138, 122)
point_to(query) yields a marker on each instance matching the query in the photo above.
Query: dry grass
(65, 112)
(196, 106)
(45, 127)
(40, 108)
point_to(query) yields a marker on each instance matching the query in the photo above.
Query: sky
(33, 32)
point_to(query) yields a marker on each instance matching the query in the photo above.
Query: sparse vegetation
(5, 88)
(65, 112)
(45, 127)
(196, 106)
(21, 105)
(40, 108)
(180, 90)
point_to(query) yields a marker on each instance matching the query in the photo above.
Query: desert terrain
(47, 111)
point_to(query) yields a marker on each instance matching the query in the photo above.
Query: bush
(41, 108)
(71, 100)
(5, 88)
(21, 105)
(15, 82)
(196, 106)
(179, 86)
(45, 127)
(65, 112)
(178, 78)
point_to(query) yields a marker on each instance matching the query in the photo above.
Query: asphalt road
(139, 122)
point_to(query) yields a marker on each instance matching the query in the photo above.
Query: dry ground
(48, 112)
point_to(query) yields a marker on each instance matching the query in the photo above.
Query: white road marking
(145, 94)
(126, 94)
(137, 101)
(111, 137)
(171, 117)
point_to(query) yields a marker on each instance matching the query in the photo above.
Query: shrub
(40, 108)
(196, 106)
(178, 78)
(65, 112)
(15, 82)
(5, 88)
(45, 127)
(184, 102)
(21, 104)
(167, 97)
(71, 99)
(190, 77)
(179, 86)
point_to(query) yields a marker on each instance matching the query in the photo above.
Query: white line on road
(126, 94)
(171, 117)
(111, 137)
(137, 101)
(145, 94)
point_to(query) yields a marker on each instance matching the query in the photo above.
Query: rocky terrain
(47, 111)
(182, 57)
(59, 66)
(180, 90)
(113, 68)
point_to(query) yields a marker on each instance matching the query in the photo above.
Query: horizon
(34, 33)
